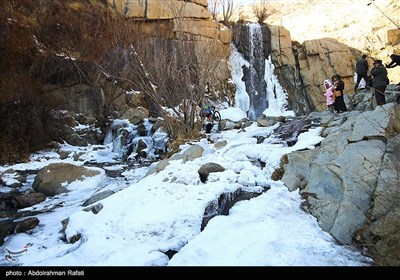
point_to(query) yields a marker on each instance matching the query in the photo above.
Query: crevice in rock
(225, 202)
(170, 253)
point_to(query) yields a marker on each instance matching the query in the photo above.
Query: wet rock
(27, 200)
(142, 130)
(158, 124)
(6, 227)
(141, 147)
(75, 238)
(6, 200)
(63, 154)
(289, 130)
(135, 116)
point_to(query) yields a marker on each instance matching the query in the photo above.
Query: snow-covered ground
(161, 212)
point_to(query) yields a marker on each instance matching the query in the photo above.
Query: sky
(151, 215)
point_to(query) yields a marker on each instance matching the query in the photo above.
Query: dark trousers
(339, 104)
(208, 127)
(380, 95)
(359, 77)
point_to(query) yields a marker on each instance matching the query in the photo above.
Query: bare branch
(213, 7)
(227, 11)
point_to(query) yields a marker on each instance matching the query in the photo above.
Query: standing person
(361, 70)
(379, 81)
(338, 87)
(208, 122)
(329, 95)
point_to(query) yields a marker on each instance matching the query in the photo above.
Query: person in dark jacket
(379, 81)
(361, 70)
(395, 61)
(338, 87)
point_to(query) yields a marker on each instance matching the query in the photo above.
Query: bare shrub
(262, 10)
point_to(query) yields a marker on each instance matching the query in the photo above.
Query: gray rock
(192, 153)
(297, 170)
(95, 209)
(220, 144)
(377, 123)
(158, 167)
(162, 164)
(63, 154)
(226, 125)
(97, 197)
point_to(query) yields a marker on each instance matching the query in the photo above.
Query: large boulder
(51, 179)
(319, 60)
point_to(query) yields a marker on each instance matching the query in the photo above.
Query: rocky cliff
(350, 183)
(190, 20)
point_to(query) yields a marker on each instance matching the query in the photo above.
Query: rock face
(166, 9)
(287, 69)
(189, 20)
(319, 60)
(350, 183)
